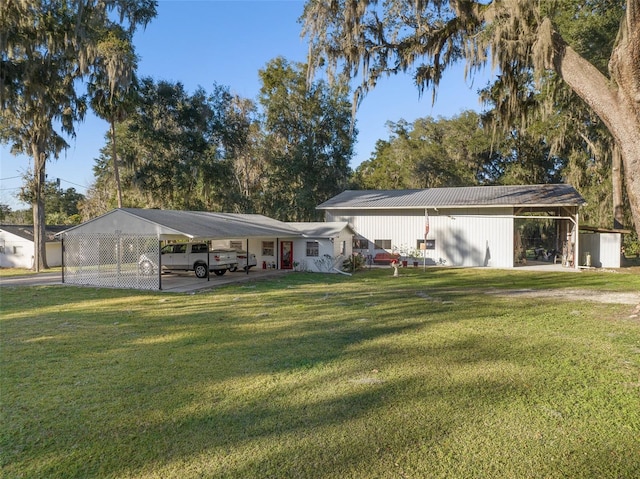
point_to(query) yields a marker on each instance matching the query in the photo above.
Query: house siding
(18, 252)
(463, 236)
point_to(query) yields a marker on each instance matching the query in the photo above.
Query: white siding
(463, 237)
(15, 252)
(604, 249)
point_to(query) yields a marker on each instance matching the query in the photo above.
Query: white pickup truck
(191, 257)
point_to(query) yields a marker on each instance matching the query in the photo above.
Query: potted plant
(403, 254)
(414, 254)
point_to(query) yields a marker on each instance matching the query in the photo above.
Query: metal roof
(192, 224)
(327, 229)
(26, 231)
(471, 196)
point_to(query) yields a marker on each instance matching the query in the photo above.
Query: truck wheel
(233, 269)
(219, 272)
(200, 270)
(146, 268)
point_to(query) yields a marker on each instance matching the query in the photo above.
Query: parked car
(242, 261)
(191, 257)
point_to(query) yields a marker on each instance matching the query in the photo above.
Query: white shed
(601, 247)
(17, 246)
(468, 226)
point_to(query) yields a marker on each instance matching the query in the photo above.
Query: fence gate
(111, 260)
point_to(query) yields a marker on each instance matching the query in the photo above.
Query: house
(106, 250)
(467, 226)
(17, 246)
(324, 246)
(316, 247)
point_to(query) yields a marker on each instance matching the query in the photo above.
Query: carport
(106, 251)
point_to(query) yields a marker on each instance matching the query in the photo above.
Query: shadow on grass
(352, 380)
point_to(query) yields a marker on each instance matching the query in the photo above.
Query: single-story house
(324, 246)
(466, 226)
(17, 249)
(105, 251)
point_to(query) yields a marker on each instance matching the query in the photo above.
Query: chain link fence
(112, 260)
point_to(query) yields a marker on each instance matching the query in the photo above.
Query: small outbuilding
(468, 226)
(601, 247)
(17, 249)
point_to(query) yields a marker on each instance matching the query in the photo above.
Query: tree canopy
(368, 40)
(46, 49)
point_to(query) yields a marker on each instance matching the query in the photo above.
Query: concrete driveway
(172, 282)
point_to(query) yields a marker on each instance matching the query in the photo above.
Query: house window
(17, 250)
(313, 248)
(360, 243)
(431, 244)
(268, 248)
(343, 248)
(383, 243)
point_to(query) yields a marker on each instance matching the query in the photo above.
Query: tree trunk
(617, 185)
(39, 222)
(114, 156)
(612, 104)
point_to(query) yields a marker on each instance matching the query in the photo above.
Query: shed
(17, 249)
(601, 247)
(466, 226)
(106, 250)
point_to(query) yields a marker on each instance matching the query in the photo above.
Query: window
(237, 245)
(268, 248)
(431, 244)
(313, 248)
(343, 248)
(199, 248)
(180, 248)
(360, 243)
(383, 244)
(17, 250)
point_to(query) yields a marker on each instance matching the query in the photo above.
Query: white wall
(16, 252)
(305, 263)
(54, 254)
(463, 237)
(604, 249)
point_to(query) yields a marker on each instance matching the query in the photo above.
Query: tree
(308, 141)
(433, 153)
(110, 88)
(46, 49)
(517, 36)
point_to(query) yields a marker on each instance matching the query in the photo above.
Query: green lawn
(326, 376)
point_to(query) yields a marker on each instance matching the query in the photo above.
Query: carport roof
(473, 196)
(191, 224)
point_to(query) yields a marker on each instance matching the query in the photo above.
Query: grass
(10, 272)
(323, 376)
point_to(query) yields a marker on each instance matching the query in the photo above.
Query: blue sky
(227, 42)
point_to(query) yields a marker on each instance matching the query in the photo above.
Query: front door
(286, 254)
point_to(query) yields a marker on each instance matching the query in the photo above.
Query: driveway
(175, 283)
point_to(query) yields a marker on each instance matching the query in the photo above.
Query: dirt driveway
(572, 294)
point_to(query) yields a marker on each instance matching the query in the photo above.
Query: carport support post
(159, 264)
(247, 264)
(208, 260)
(62, 247)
